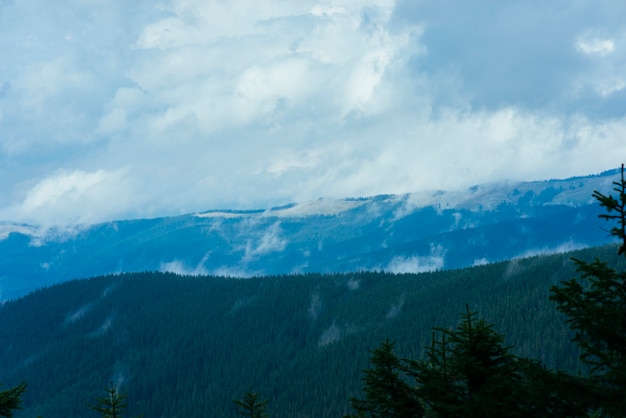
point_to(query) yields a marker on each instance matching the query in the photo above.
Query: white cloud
(270, 241)
(480, 261)
(178, 267)
(78, 314)
(235, 272)
(561, 248)
(332, 334)
(418, 264)
(594, 45)
(73, 197)
(121, 109)
(606, 74)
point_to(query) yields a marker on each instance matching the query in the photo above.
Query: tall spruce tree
(466, 372)
(387, 394)
(595, 307)
(250, 404)
(11, 399)
(112, 405)
(469, 372)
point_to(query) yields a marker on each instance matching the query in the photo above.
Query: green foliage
(469, 372)
(112, 405)
(185, 345)
(616, 205)
(386, 392)
(595, 307)
(11, 399)
(251, 405)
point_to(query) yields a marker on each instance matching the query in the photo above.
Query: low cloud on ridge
(114, 110)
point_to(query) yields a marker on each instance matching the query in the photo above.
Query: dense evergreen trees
(595, 307)
(11, 399)
(386, 391)
(184, 345)
(468, 372)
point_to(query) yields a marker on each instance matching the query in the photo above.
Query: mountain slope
(186, 346)
(397, 233)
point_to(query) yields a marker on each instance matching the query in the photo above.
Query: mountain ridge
(398, 233)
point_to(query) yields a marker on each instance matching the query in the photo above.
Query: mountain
(188, 345)
(397, 233)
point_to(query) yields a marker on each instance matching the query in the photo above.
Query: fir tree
(386, 392)
(251, 405)
(112, 405)
(11, 399)
(595, 307)
(469, 372)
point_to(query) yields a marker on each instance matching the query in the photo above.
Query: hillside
(186, 346)
(395, 233)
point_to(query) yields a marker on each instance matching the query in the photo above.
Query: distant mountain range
(396, 233)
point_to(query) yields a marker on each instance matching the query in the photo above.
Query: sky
(117, 109)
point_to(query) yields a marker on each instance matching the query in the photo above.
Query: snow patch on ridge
(7, 228)
(317, 207)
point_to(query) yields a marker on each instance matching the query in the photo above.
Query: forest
(186, 346)
(326, 345)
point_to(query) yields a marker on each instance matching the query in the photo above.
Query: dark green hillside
(186, 346)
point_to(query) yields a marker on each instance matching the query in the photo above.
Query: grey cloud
(188, 106)
(514, 53)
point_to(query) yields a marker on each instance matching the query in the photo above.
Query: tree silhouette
(11, 399)
(595, 307)
(251, 405)
(112, 405)
(387, 394)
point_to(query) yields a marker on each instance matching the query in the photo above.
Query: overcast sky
(114, 109)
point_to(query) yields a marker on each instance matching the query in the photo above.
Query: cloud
(559, 249)
(139, 109)
(178, 267)
(480, 261)
(73, 197)
(332, 334)
(315, 306)
(235, 272)
(78, 314)
(598, 46)
(103, 328)
(418, 264)
(270, 241)
(396, 308)
(353, 284)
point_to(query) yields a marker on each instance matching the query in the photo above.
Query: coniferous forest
(540, 336)
(187, 346)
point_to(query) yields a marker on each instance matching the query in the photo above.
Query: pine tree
(251, 405)
(595, 307)
(386, 392)
(112, 405)
(11, 399)
(469, 372)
